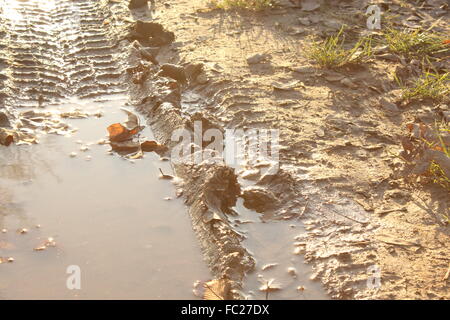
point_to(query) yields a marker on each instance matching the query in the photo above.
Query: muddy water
(272, 245)
(109, 216)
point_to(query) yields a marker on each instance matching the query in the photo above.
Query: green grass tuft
(430, 85)
(414, 43)
(332, 52)
(243, 4)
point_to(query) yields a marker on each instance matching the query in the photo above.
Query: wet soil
(336, 172)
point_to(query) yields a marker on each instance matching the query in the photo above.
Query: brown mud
(184, 62)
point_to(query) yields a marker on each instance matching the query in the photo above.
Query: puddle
(273, 243)
(109, 216)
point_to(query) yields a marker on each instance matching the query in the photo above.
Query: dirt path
(337, 173)
(337, 142)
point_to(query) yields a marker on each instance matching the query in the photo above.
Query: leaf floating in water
(118, 133)
(6, 245)
(198, 289)
(102, 142)
(270, 286)
(137, 155)
(74, 114)
(268, 266)
(4, 260)
(126, 146)
(133, 120)
(150, 146)
(165, 176)
(50, 242)
(217, 289)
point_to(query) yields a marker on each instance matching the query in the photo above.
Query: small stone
(4, 230)
(304, 21)
(388, 106)
(202, 78)
(4, 121)
(292, 271)
(258, 58)
(23, 231)
(134, 4)
(332, 24)
(348, 83)
(173, 71)
(73, 154)
(10, 259)
(299, 250)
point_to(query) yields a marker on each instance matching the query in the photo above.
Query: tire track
(53, 50)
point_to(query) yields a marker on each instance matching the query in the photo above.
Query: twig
(447, 274)
(392, 210)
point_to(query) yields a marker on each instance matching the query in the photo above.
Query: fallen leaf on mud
(217, 289)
